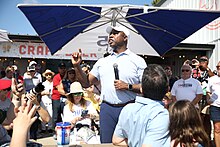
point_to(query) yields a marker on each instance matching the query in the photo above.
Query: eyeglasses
(218, 67)
(77, 94)
(185, 70)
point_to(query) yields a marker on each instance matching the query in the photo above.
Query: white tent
(4, 36)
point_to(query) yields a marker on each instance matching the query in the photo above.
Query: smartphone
(84, 113)
(15, 75)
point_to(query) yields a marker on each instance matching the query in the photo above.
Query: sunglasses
(77, 94)
(203, 60)
(218, 67)
(48, 75)
(185, 70)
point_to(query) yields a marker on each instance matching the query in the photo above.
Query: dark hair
(68, 71)
(167, 67)
(154, 82)
(186, 125)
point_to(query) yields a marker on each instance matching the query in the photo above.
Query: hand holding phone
(84, 113)
(15, 75)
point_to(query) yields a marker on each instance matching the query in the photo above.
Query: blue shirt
(130, 69)
(144, 122)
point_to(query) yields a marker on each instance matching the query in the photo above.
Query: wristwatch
(130, 87)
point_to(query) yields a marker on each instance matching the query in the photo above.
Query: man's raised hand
(76, 58)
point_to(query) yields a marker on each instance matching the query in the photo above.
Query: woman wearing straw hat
(74, 112)
(46, 101)
(75, 105)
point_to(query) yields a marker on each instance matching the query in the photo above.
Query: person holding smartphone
(78, 111)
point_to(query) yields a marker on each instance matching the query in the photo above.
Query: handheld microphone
(115, 66)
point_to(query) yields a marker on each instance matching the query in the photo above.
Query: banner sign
(38, 50)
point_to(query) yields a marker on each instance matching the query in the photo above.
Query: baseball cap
(70, 69)
(4, 84)
(62, 64)
(8, 69)
(32, 63)
(203, 58)
(31, 68)
(85, 65)
(118, 28)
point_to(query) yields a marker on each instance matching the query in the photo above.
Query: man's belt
(118, 105)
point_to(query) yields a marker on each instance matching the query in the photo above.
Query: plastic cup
(63, 133)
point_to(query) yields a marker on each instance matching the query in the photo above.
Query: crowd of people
(121, 99)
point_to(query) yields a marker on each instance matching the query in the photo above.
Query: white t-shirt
(68, 116)
(214, 88)
(186, 89)
(48, 86)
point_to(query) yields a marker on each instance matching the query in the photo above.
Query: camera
(84, 113)
(37, 89)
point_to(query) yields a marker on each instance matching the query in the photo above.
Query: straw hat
(75, 87)
(48, 72)
(168, 95)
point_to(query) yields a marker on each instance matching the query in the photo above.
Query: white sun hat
(75, 87)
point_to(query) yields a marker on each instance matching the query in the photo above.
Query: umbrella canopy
(154, 31)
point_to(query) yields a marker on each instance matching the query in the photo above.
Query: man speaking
(120, 75)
